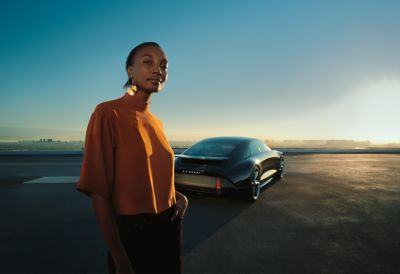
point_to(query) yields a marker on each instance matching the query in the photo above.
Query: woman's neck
(143, 96)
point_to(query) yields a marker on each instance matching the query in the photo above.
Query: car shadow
(206, 214)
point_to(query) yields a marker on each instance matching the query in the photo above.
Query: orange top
(127, 158)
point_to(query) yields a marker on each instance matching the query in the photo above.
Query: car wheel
(254, 190)
(279, 174)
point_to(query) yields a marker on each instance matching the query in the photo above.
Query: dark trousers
(152, 241)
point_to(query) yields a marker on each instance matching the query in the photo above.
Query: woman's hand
(180, 207)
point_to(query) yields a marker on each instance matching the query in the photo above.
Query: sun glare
(375, 112)
(370, 112)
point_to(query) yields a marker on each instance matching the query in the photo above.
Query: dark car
(222, 164)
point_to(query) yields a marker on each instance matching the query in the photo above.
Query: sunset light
(309, 71)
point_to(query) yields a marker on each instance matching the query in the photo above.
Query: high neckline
(135, 102)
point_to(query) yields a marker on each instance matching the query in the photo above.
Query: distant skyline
(37, 135)
(279, 70)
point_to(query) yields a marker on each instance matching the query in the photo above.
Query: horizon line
(305, 141)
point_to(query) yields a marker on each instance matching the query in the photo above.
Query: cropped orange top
(127, 158)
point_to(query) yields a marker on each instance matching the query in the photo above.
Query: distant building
(45, 140)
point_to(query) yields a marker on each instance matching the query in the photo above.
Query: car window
(263, 147)
(211, 149)
(254, 149)
(244, 151)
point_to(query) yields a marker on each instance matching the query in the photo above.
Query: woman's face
(149, 69)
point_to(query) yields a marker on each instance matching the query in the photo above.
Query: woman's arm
(106, 219)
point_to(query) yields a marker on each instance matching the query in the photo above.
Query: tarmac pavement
(331, 213)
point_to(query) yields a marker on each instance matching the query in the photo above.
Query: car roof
(235, 139)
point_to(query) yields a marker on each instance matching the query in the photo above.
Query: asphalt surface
(329, 214)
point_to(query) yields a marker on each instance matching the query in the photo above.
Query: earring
(132, 87)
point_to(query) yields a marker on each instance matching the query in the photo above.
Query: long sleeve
(97, 172)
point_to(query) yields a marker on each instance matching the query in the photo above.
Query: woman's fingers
(175, 214)
(180, 207)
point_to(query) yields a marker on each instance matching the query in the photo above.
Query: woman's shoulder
(107, 107)
(158, 120)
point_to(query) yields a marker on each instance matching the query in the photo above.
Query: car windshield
(211, 148)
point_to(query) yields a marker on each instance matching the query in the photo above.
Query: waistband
(166, 214)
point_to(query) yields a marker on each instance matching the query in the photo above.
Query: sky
(266, 69)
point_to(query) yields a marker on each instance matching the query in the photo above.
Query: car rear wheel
(254, 190)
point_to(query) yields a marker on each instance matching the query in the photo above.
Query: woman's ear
(129, 71)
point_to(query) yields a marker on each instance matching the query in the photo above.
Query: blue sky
(268, 69)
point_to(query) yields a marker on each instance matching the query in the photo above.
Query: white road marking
(54, 180)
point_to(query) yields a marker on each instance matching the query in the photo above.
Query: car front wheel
(254, 190)
(279, 175)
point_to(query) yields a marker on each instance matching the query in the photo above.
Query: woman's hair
(131, 57)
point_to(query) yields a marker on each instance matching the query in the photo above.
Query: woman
(128, 171)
